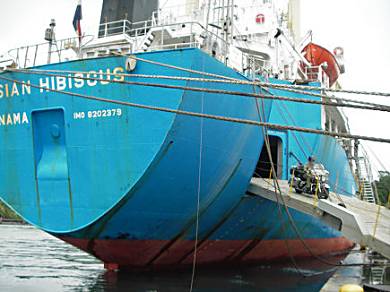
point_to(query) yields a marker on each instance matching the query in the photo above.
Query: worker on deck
(310, 163)
(309, 166)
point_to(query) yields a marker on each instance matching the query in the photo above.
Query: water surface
(31, 260)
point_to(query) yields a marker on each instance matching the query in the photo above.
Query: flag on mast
(76, 20)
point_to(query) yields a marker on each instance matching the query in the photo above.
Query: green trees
(6, 212)
(383, 187)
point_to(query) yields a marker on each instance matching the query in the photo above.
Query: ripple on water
(31, 260)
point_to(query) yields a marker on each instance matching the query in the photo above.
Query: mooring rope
(195, 257)
(260, 83)
(268, 148)
(302, 87)
(331, 99)
(265, 84)
(371, 106)
(214, 117)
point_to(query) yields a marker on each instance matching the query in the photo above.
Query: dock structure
(365, 223)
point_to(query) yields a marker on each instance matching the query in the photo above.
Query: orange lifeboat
(318, 56)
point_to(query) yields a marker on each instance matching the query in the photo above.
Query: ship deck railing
(176, 46)
(37, 54)
(317, 73)
(185, 33)
(132, 34)
(124, 26)
(186, 27)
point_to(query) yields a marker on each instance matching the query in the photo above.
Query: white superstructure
(251, 36)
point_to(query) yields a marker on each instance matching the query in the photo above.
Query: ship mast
(228, 14)
(50, 37)
(294, 19)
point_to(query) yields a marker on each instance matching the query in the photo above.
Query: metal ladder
(366, 179)
(378, 270)
(367, 191)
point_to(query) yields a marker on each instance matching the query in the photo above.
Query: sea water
(31, 260)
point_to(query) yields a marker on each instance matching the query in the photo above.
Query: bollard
(351, 288)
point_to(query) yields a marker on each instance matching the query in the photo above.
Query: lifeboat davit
(317, 56)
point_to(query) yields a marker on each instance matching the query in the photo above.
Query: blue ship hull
(123, 183)
(251, 232)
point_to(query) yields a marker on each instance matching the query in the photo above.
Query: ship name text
(61, 83)
(15, 89)
(13, 119)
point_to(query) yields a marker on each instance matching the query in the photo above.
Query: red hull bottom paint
(154, 254)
